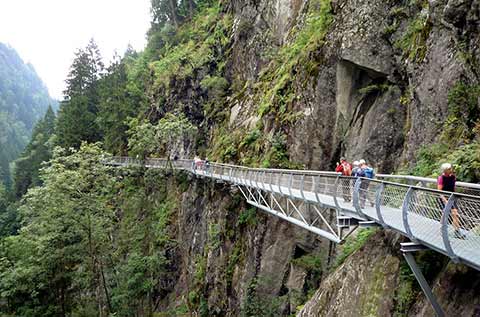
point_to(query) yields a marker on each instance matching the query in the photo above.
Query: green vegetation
(459, 138)
(374, 88)
(77, 115)
(275, 95)
(193, 46)
(248, 217)
(38, 151)
(314, 266)
(23, 101)
(214, 236)
(257, 305)
(406, 292)
(352, 244)
(146, 139)
(430, 263)
(91, 240)
(275, 90)
(414, 42)
(463, 122)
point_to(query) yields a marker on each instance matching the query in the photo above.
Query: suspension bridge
(333, 206)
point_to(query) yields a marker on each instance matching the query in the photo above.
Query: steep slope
(273, 83)
(23, 100)
(308, 82)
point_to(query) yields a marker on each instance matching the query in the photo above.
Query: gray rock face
(432, 82)
(363, 286)
(208, 232)
(456, 11)
(366, 99)
(457, 290)
(341, 120)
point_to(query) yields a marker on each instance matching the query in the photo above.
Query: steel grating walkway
(329, 204)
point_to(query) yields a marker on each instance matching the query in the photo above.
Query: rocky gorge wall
(380, 79)
(372, 81)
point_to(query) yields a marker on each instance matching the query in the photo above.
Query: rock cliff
(308, 82)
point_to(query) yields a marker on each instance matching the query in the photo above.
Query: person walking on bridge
(368, 172)
(346, 169)
(446, 182)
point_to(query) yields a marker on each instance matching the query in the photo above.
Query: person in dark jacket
(446, 182)
(368, 173)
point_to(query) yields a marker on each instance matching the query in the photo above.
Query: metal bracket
(368, 224)
(407, 249)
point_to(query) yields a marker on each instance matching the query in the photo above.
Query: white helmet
(362, 161)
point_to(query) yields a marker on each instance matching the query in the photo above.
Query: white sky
(47, 33)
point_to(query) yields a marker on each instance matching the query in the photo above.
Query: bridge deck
(416, 212)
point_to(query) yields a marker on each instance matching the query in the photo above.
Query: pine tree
(77, 115)
(26, 173)
(116, 105)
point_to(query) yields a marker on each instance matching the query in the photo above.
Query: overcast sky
(46, 33)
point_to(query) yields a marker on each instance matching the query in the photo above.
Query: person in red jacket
(346, 169)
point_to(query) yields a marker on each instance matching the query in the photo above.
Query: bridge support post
(407, 249)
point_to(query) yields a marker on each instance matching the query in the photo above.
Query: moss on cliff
(275, 89)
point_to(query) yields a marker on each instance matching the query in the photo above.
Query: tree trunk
(173, 12)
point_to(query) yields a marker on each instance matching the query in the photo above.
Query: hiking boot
(459, 235)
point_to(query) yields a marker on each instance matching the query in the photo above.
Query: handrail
(426, 180)
(380, 177)
(412, 210)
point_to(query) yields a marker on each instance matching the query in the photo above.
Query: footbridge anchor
(407, 249)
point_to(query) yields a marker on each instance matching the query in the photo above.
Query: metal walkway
(332, 206)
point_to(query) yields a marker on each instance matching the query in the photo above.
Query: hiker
(357, 170)
(206, 163)
(197, 163)
(346, 169)
(446, 182)
(369, 173)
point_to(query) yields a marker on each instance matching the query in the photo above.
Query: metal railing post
(315, 189)
(335, 189)
(263, 180)
(356, 195)
(405, 203)
(302, 186)
(279, 181)
(378, 201)
(290, 181)
(444, 227)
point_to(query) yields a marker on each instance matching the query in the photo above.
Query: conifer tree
(77, 115)
(116, 105)
(39, 150)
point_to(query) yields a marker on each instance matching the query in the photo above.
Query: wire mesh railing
(446, 222)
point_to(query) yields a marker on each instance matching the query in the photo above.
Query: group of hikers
(199, 164)
(360, 169)
(445, 182)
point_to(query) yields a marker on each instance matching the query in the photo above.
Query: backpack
(369, 173)
(358, 172)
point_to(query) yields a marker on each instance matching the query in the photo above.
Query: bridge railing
(461, 187)
(446, 222)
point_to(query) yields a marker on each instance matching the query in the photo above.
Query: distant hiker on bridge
(446, 182)
(346, 169)
(368, 173)
(206, 164)
(197, 163)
